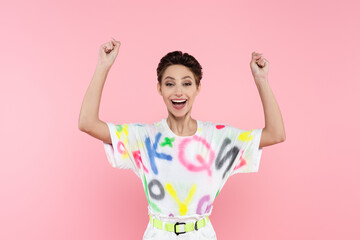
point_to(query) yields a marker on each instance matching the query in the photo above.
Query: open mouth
(178, 104)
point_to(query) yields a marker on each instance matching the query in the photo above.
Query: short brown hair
(177, 57)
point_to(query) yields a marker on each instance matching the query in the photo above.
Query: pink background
(56, 182)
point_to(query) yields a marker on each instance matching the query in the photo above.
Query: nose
(178, 91)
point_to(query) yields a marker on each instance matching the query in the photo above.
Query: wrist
(102, 68)
(260, 81)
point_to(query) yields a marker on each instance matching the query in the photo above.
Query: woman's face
(178, 83)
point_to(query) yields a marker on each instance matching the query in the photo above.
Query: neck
(184, 125)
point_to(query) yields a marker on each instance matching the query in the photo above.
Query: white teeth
(178, 101)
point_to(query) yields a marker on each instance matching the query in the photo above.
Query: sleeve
(123, 152)
(248, 158)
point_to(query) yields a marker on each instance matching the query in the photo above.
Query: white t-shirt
(182, 175)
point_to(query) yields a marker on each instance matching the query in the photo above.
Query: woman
(182, 162)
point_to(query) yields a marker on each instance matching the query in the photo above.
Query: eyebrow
(174, 78)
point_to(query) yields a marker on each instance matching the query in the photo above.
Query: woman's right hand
(108, 53)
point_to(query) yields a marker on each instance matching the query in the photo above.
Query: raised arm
(274, 131)
(89, 121)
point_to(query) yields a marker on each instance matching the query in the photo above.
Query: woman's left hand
(259, 66)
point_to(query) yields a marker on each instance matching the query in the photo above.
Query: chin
(179, 114)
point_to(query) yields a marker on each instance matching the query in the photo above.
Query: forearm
(273, 120)
(90, 106)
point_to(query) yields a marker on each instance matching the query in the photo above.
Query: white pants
(206, 232)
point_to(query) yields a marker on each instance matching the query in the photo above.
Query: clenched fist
(108, 53)
(259, 66)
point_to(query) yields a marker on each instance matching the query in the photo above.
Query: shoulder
(143, 126)
(217, 128)
(134, 127)
(149, 128)
(217, 125)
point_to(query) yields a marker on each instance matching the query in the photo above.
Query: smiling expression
(178, 84)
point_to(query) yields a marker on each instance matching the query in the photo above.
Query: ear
(158, 88)
(198, 89)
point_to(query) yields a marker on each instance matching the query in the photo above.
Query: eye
(168, 84)
(188, 84)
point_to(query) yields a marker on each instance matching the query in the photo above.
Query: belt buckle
(178, 223)
(196, 228)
